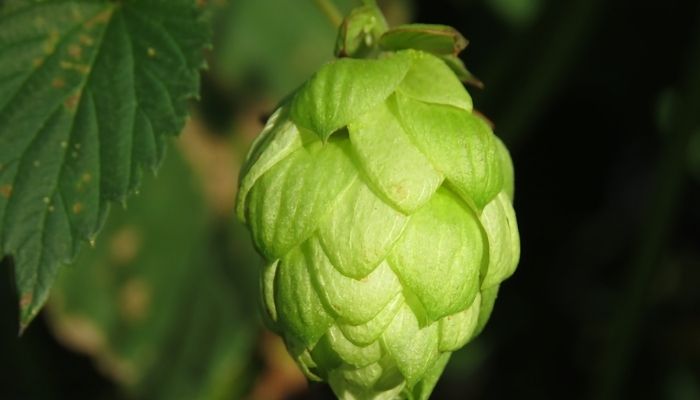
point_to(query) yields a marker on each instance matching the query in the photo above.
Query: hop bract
(382, 205)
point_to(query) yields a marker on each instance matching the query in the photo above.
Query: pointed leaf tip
(436, 39)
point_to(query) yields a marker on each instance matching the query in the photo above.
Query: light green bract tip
(383, 207)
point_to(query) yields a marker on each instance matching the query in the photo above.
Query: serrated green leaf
(344, 89)
(396, 169)
(88, 95)
(439, 254)
(459, 144)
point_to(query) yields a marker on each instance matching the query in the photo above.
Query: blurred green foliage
(154, 302)
(266, 48)
(517, 13)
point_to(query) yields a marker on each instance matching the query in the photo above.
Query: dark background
(599, 104)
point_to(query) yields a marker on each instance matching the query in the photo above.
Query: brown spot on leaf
(26, 300)
(78, 208)
(134, 300)
(58, 83)
(71, 66)
(6, 191)
(86, 40)
(75, 51)
(71, 103)
(99, 19)
(124, 245)
(84, 180)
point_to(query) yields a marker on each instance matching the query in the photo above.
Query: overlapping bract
(382, 205)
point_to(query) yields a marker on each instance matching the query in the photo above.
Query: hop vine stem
(335, 17)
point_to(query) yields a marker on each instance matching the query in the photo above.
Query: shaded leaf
(88, 95)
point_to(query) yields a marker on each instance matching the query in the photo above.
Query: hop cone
(382, 205)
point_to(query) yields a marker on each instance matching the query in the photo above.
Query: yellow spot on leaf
(51, 42)
(86, 177)
(36, 163)
(151, 52)
(99, 19)
(71, 66)
(46, 200)
(77, 208)
(6, 191)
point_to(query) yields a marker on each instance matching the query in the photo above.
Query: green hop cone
(383, 206)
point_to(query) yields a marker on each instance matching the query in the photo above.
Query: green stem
(330, 11)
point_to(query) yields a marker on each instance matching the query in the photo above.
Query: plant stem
(330, 11)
